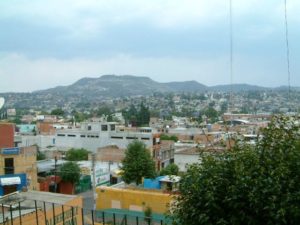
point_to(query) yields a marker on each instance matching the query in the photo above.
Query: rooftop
(27, 198)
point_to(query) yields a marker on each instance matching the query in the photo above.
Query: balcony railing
(41, 212)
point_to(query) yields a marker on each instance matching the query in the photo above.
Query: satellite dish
(2, 101)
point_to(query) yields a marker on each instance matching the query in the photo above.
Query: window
(61, 135)
(89, 127)
(71, 135)
(112, 127)
(145, 138)
(82, 135)
(104, 127)
(116, 137)
(9, 166)
(131, 138)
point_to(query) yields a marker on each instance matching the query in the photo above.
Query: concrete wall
(110, 153)
(92, 140)
(129, 199)
(182, 160)
(41, 140)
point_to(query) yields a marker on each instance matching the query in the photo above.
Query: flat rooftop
(26, 201)
(28, 198)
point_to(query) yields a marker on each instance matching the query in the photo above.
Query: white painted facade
(93, 135)
(43, 141)
(182, 159)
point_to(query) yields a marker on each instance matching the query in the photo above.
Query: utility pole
(109, 164)
(94, 180)
(55, 162)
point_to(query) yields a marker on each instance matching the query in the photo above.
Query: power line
(231, 54)
(287, 48)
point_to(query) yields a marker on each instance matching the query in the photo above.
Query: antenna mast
(287, 48)
(231, 56)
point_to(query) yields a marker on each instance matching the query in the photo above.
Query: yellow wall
(132, 199)
(24, 162)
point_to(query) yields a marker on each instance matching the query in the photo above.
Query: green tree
(70, 172)
(211, 113)
(104, 110)
(78, 116)
(137, 163)
(40, 155)
(77, 154)
(171, 169)
(17, 120)
(224, 107)
(148, 215)
(57, 112)
(167, 137)
(248, 185)
(131, 115)
(143, 116)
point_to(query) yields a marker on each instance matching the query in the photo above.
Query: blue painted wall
(152, 183)
(26, 128)
(20, 186)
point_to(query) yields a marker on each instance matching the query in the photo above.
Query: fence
(46, 213)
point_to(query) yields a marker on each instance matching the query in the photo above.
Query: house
(164, 154)
(185, 157)
(121, 196)
(17, 165)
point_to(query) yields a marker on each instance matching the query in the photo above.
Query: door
(9, 189)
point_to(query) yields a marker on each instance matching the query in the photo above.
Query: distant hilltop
(91, 90)
(128, 85)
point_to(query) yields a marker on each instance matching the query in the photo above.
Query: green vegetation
(168, 138)
(40, 155)
(57, 112)
(137, 163)
(171, 169)
(70, 172)
(79, 116)
(211, 114)
(136, 117)
(249, 185)
(148, 214)
(77, 154)
(104, 110)
(16, 120)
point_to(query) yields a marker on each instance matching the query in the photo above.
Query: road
(88, 201)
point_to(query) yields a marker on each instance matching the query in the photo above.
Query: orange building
(45, 128)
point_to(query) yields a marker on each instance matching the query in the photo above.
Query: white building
(43, 141)
(93, 135)
(185, 157)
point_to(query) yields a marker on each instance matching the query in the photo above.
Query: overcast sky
(46, 43)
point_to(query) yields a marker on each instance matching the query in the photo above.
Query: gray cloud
(166, 40)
